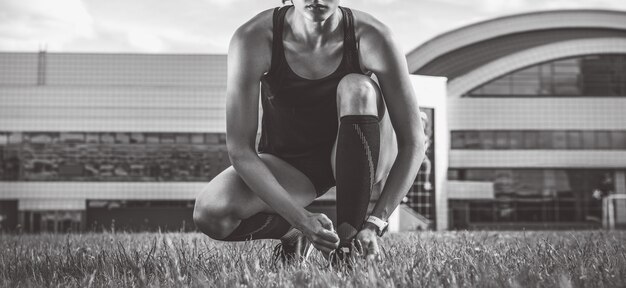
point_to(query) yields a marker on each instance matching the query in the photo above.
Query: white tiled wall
(559, 113)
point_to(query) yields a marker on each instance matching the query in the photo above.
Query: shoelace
(345, 256)
(278, 254)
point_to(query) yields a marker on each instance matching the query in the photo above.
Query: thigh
(228, 191)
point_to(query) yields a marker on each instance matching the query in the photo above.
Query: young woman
(325, 123)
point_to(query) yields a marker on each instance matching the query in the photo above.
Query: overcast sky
(205, 26)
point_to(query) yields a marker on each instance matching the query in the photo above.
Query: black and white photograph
(313, 143)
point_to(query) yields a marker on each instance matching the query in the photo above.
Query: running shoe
(294, 252)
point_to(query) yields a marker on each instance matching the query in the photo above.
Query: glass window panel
(526, 88)
(182, 138)
(457, 139)
(517, 139)
(137, 138)
(502, 139)
(545, 88)
(453, 174)
(545, 69)
(567, 69)
(533, 70)
(544, 141)
(566, 85)
(530, 139)
(92, 138)
(152, 138)
(168, 138)
(15, 137)
(212, 138)
(479, 174)
(496, 89)
(107, 138)
(42, 137)
(197, 138)
(72, 137)
(223, 137)
(574, 140)
(481, 211)
(487, 140)
(4, 139)
(618, 139)
(122, 138)
(559, 140)
(603, 140)
(589, 140)
(472, 140)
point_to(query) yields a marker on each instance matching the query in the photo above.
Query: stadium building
(112, 141)
(536, 110)
(528, 131)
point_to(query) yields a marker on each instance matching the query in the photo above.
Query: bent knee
(215, 222)
(357, 94)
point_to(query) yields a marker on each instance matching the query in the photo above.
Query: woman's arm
(381, 55)
(248, 59)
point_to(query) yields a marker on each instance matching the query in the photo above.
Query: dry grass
(428, 259)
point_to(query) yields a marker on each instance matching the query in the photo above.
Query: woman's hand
(369, 243)
(318, 228)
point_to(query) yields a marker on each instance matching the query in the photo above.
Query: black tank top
(300, 115)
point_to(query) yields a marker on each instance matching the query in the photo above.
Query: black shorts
(317, 168)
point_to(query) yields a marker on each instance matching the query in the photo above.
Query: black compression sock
(356, 160)
(260, 226)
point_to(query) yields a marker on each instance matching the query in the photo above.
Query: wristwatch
(381, 225)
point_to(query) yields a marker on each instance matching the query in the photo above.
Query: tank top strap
(277, 38)
(350, 46)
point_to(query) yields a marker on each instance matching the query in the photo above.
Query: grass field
(427, 259)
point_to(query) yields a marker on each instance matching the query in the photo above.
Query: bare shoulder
(258, 27)
(251, 44)
(368, 28)
(377, 47)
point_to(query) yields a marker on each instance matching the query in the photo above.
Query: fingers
(373, 251)
(328, 235)
(324, 246)
(325, 221)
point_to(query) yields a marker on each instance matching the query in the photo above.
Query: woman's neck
(313, 33)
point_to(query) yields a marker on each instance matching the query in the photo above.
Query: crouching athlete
(325, 123)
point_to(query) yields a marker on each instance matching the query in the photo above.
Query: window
(472, 140)
(544, 141)
(123, 138)
(137, 138)
(197, 138)
(502, 139)
(15, 137)
(603, 140)
(559, 140)
(168, 138)
(457, 140)
(589, 140)
(590, 75)
(92, 138)
(152, 138)
(574, 140)
(487, 140)
(517, 139)
(530, 139)
(618, 139)
(182, 138)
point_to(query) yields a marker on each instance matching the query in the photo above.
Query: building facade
(95, 141)
(535, 110)
(119, 141)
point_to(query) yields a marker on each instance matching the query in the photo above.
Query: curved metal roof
(459, 51)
